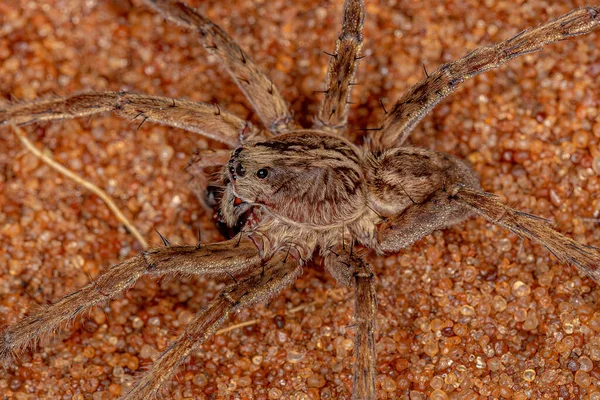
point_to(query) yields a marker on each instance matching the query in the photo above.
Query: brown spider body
(362, 190)
(290, 161)
(298, 191)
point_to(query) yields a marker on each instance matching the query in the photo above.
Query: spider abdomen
(402, 177)
(413, 189)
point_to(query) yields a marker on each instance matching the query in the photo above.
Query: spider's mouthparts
(237, 201)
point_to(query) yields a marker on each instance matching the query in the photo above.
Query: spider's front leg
(353, 270)
(278, 273)
(567, 250)
(202, 182)
(230, 257)
(422, 191)
(208, 120)
(422, 97)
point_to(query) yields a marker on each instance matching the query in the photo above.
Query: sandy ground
(470, 312)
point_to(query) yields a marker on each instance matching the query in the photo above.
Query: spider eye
(262, 173)
(240, 170)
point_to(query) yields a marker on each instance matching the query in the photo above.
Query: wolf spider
(299, 192)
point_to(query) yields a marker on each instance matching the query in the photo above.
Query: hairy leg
(279, 273)
(453, 206)
(418, 221)
(229, 257)
(206, 119)
(209, 158)
(422, 97)
(567, 250)
(333, 113)
(258, 88)
(365, 304)
(202, 181)
(350, 269)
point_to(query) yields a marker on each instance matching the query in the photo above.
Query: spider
(384, 195)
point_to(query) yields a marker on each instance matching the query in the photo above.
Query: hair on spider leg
(243, 79)
(382, 105)
(287, 254)
(199, 241)
(332, 55)
(243, 57)
(232, 277)
(370, 129)
(425, 70)
(406, 193)
(139, 114)
(164, 240)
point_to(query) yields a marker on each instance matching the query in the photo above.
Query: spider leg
(353, 270)
(448, 207)
(418, 221)
(228, 257)
(567, 250)
(258, 88)
(206, 119)
(201, 181)
(365, 304)
(207, 158)
(333, 113)
(279, 272)
(422, 97)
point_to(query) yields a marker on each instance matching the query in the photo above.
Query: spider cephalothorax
(298, 192)
(287, 176)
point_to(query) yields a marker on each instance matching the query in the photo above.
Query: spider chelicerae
(299, 191)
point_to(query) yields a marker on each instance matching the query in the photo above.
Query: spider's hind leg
(353, 270)
(278, 273)
(230, 257)
(567, 250)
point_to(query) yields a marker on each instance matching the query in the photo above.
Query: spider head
(303, 177)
